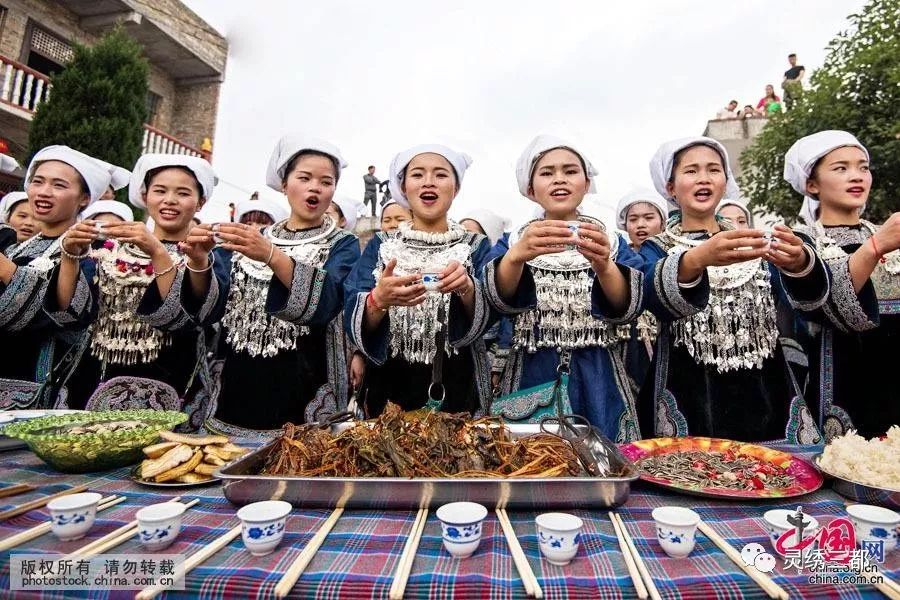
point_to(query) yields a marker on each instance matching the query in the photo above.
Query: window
(153, 102)
(47, 52)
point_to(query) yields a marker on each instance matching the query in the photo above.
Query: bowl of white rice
(865, 470)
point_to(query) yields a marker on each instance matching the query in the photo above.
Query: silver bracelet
(691, 284)
(69, 255)
(809, 267)
(212, 261)
(169, 269)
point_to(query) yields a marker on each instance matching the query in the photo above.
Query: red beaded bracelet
(370, 301)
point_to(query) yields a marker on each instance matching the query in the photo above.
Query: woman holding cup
(414, 304)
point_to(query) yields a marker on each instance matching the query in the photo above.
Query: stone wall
(49, 15)
(188, 28)
(194, 115)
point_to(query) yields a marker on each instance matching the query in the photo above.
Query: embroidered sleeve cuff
(79, 308)
(846, 309)
(478, 324)
(299, 303)
(372, 345)
(601, 308)
(681, 302)
(167, 314)
(19, 299)
(526, 296)
(808, 290)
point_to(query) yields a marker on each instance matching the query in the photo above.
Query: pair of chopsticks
(39, 530)
(532, 587)
(15, 512)
(114, 538)
(303, 559)
(640, 576)
(14, 490)
(762, 580)
(193, 560)
(404, 566)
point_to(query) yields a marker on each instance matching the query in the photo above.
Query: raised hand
(786, 251)
(539, 238)
(398, 290)
(455, 278)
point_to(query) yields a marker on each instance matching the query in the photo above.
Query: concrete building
(736, 135)
(186, 55)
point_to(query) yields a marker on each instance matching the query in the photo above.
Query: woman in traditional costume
(853, 355)
(415, 306)
(145, 277)
(286, 286)
(47, 294)
(558, 276)
(718, 368)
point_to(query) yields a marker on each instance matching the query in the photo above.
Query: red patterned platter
(759, 473)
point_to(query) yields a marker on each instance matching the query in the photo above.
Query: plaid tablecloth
(358, 558)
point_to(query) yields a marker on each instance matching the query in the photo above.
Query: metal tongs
(335, 418)
(592, 447)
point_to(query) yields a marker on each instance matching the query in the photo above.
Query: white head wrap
(200, 167)
(275, 209)
(8, 164)
(459, 160)
(636, 196)
(290, 146)
(664, 161)
(119, 177)
(538, 146)
(94, 174)
(8, 202)
(803, 156)
(493, 224)
(349, 208)
(115, 207)
(741, 204)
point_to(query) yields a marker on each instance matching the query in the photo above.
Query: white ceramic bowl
(4, 419)
(72, 515)
(777, 524)
(431, 281)
(676, 529)
(461, 527)
(263, 525)
(875, 524)
(558, 536)
(159, 524)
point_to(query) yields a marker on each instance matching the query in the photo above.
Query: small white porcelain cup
(159, 524)
(777, 524)
(72, 516)
(559, 535)
(874, 524)
(431, 281)
(263, 525)
(676, 529)
(461, 527)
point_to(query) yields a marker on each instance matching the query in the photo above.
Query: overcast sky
(486, 76)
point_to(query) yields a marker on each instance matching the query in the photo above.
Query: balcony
(23, 89)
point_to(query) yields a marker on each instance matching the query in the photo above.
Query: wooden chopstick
(14, 512)
(109, 536)
(887, 590)
(39, 530)
(638, 561)
(193, 560)
(290, 577)
(629, 561)
(13, 490)
(404, 566)
(117, 540)
(532, 587)
(764, 581)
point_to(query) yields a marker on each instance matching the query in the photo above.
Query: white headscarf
(540, 145)
(8, 202)
(120, 209)
(200, 167)
(741, 204)
(459, 160)
(8, 164)
(277, 210)
(663, 161)
(803, 156)
(493, 224)
(349, 208)
(290, 146)
(636, 196)
(94, 174)
(119, 177)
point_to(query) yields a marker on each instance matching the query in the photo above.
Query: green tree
(857, 89)
(98, 104)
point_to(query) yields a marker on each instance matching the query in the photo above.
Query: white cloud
(486, 76)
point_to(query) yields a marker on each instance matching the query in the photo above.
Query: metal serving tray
(243, 485)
